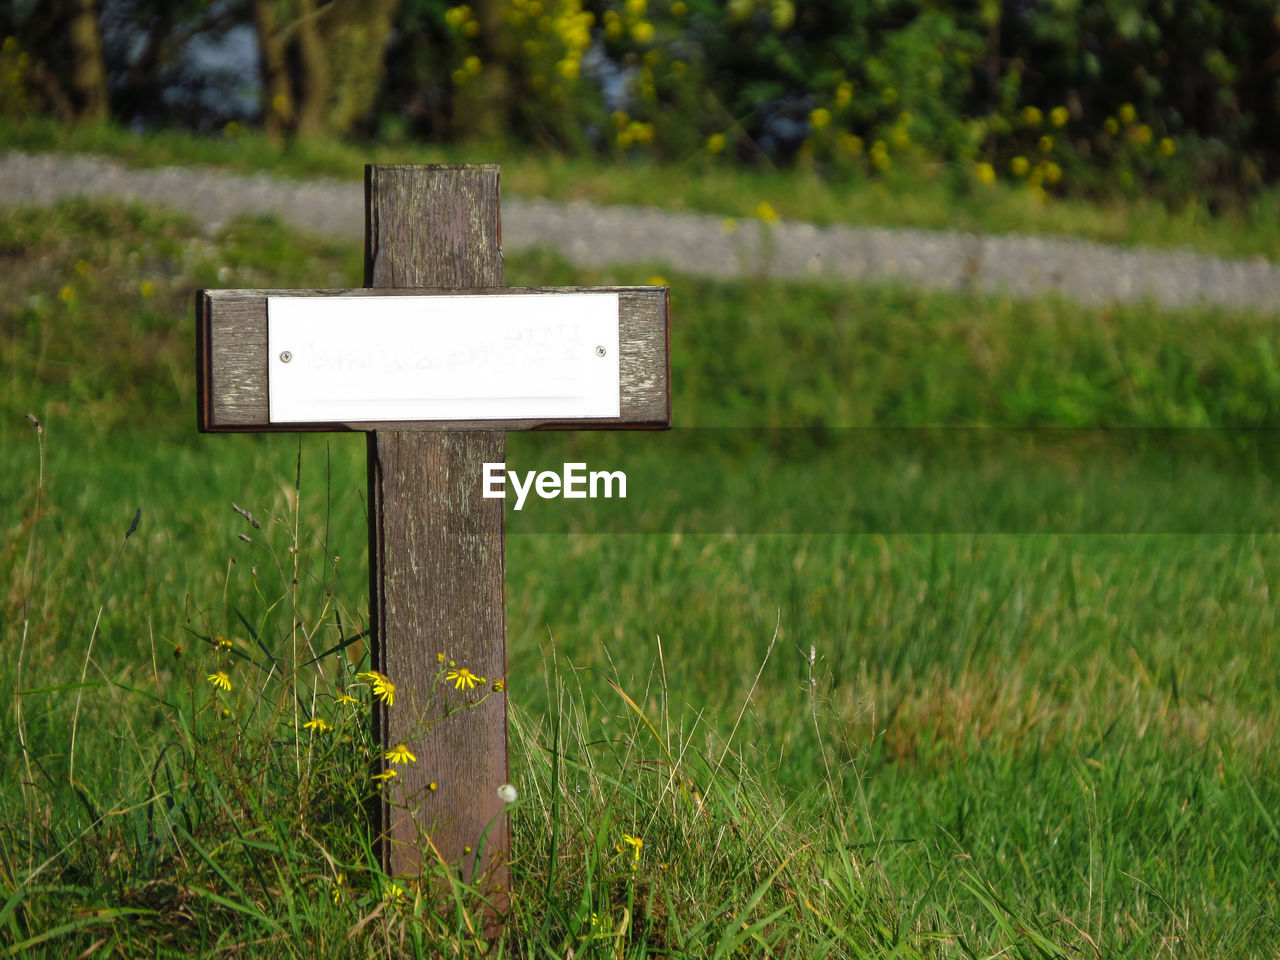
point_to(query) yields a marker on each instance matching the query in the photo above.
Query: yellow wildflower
(382, 687)
(642, 32)
(348, 699)
(386, 775)
(220, 680)
(1059, 116)
(636, 844)
(1032, 116)
(1126, 113)
(1167, 147)
(400, 754)
(395, 894)
(463, 678)
(766, 212)
(318, 725)
(819, 118)
(985, 173)
(1019, 166)
(1045, 143)
(337, 887)
(1111, 126)
(715, 143)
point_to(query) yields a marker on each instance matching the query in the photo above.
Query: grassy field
(930, 196)
(909, 694)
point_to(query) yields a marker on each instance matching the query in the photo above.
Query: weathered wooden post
(435, 360)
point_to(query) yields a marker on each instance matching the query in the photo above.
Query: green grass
(933, 197)
(958, 736)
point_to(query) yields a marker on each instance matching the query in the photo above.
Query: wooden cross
(435, 381)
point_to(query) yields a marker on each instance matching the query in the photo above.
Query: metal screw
(600, 351)
(285, 356)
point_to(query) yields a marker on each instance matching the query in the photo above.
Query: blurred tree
(67, 68)
(322, 64)
(88, 73)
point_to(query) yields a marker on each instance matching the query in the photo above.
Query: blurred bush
(1080, 96)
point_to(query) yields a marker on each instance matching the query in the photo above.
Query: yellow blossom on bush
(640, 132)
(985, 173)
(679, 9)
(642, 32)
(844, 94)
(220, 680)
(1167, 147)
(1142, 135)
(715, 143)
(1126, 113)
(1019, 166)
(1045, 143)
(766, 212)
(850, 144)
(1110, 126)
(568, 68)
(147, 288)
(472, 64)
(819, 118)
(66, 294)
(880, 155)
(1032, 116)
(1059, 116)
(1052, 173)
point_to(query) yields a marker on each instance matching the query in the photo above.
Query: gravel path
(691, 243)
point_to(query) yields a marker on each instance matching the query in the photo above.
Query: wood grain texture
(233, 373)
(436, 561)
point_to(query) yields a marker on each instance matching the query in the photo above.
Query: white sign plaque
(460, 357)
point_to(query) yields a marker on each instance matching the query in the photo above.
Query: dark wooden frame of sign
(436, 549)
